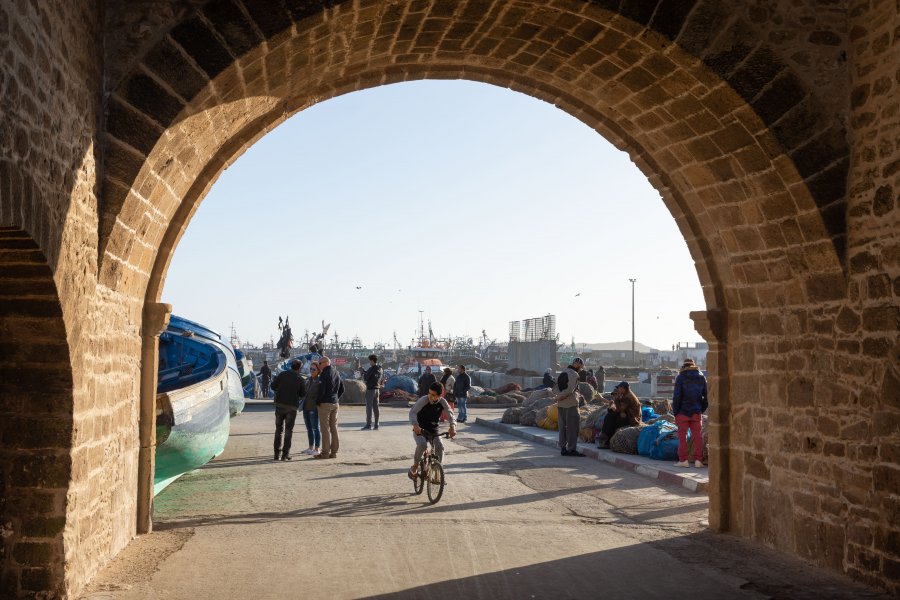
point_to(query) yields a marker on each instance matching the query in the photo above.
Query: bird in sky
(578, 294)
(359, 287)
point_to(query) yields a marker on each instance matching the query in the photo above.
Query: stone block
(886, 478)
(201, 45)
(233, 26)
(34, 553)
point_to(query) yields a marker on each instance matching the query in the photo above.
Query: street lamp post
(633, 361)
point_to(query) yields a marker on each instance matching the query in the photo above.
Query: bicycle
(431, 472)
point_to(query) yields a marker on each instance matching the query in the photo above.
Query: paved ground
(517, 521)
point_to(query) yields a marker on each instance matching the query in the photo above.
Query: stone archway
(736, 122)
(36, 420)
(717, 148)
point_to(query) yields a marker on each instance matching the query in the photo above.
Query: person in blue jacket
(689, 402)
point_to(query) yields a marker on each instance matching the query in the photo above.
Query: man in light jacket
(567, 409)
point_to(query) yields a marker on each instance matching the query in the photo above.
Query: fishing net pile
(401, 382)
(354, 392)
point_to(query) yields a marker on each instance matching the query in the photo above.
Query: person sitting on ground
(424, 417)
(548, 381)
(625, 411)
(592, 379)
(567, 401)
(689, 402)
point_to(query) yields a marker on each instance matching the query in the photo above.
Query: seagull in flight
(578, 294)
(359, 287)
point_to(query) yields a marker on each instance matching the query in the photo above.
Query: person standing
(331, 388)
(461, 388)
(447, 380)
(372, 376)
(601, 378)
(265, 374)
(425, 381)
(567, 408)
(289, 389)
(311, 410)
(689, 402)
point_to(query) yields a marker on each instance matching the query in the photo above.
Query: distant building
(682, 350)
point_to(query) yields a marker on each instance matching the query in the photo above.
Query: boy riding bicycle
(424, 417)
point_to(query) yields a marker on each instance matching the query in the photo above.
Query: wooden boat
(195, 392)
(249, 381)
(179, 326)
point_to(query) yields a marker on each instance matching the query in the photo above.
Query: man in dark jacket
(461, 388)
(689, 401)
(372, 377)
(265, 375)
(331, 388)
(290, 388)
(425, 381)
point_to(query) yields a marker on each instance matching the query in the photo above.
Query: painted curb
(618, 460)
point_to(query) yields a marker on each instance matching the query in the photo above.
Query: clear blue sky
(473, 203)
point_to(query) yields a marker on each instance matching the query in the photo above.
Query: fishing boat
(179, 326)
(193, 399)
(427, 352)
(249, 382)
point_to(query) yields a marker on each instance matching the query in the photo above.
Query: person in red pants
(689, 402)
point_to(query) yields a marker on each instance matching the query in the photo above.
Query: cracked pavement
(516, 521)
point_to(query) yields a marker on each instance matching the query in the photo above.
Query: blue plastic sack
(666, 447)
(647, 414)
(655, 440)
(401, 382)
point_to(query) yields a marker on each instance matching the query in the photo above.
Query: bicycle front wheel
(419, 481)
(435, 482)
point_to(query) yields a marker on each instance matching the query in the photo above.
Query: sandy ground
(516, 521)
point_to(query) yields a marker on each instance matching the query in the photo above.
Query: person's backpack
(562, 381)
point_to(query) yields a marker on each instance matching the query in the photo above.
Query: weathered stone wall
(35, 420)
(866, 454)
(67, 394)
(770, 131)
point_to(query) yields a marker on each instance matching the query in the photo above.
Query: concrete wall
(532, 356)
(491, 380)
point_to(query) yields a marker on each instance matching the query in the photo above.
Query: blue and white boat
(249, 381)
(187, 328)
(197, 389)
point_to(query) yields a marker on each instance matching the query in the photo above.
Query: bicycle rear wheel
(419, 481)
(435, 482)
